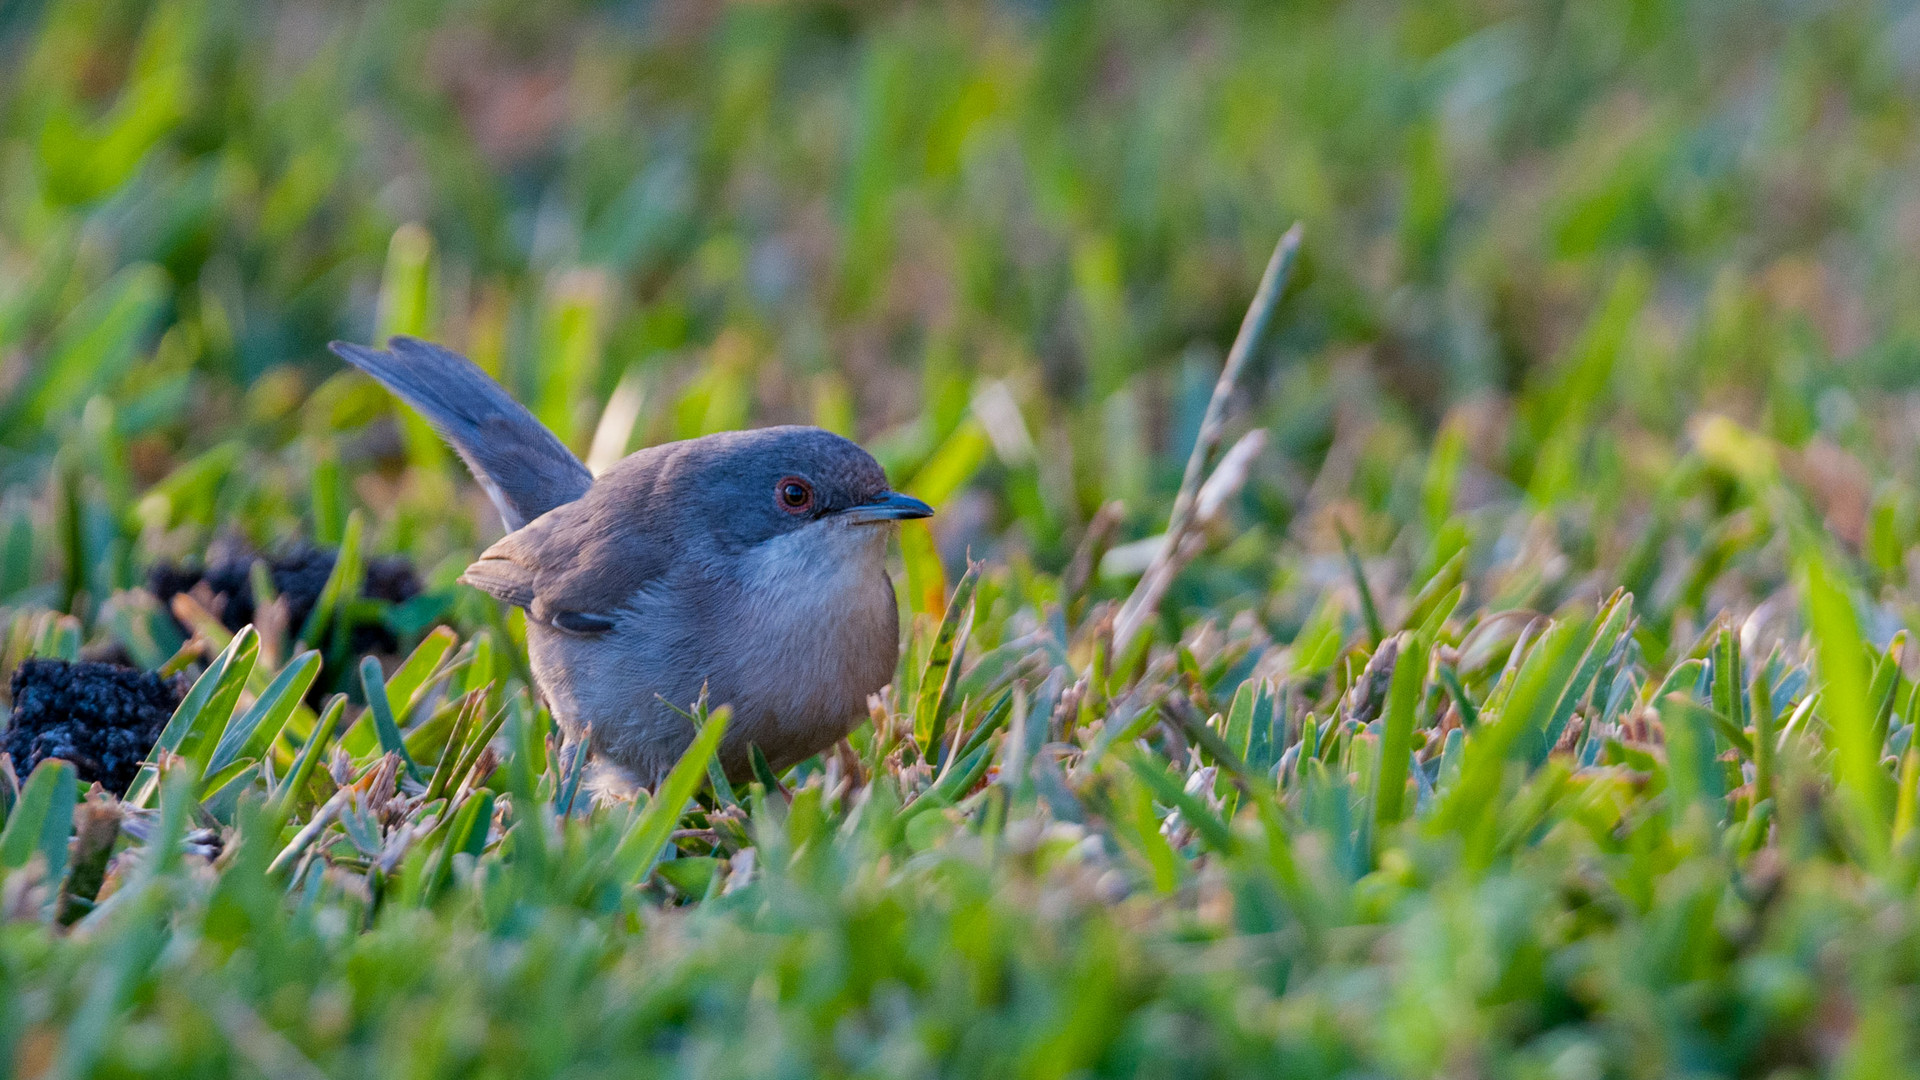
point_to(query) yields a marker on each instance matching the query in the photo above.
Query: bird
(742, 568)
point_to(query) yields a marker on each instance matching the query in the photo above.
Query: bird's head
(767, 483)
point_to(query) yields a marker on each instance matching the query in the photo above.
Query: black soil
(100, 717)
(298, 575)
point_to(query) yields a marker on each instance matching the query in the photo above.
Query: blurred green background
(1004, 244)
(1598, 295)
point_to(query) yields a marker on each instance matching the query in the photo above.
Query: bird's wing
(577, 565)
(524, 468)
(503, 579)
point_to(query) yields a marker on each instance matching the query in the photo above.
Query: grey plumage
(697, 501)
(524, 468)
(744, 565)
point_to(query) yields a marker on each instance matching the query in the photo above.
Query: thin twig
(1225, 483)
(1175, 551)
(1086, 558)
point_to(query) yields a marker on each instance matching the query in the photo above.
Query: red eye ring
(794, 495)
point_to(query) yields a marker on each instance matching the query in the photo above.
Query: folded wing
(575, 567)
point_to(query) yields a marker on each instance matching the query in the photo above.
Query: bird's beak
(888, 506)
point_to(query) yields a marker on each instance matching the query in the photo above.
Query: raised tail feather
(523, 466)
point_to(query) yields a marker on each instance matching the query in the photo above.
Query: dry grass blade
(311, 831)
(1174, 551)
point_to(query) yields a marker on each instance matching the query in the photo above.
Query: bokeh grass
(1539, 705)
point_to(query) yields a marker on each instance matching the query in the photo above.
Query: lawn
(1465, 639)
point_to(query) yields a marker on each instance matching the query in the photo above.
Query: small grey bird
(750, 564)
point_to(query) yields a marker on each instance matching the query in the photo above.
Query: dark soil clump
(100, 717)
(298, 575)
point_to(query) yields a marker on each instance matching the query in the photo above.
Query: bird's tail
(523, 466)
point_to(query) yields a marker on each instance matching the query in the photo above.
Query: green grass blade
(1137, 827)
(480, 673)
(1469, 712)
(1369, 611)
(329, 499)
(373, 683)
(1404, 694)
(41, 822)
(648, 837)
(465, 716)
(1884, 686)
(342, 585)
(1239, 733)
(1616, 623)
(207, 707)
(996, 716)
(717, 777)
(1168, 791)
(576, 767)
(1239, 739)
(9, 794)
(466, 834)
(1862, 782)
(1729, 692)
(1538, 684)
(1766, 734)
(955, 782)
(763, 773)
(1693, 771)
(420, 664)
(478, 739)
(309, 757)
(941, 672)
(1906, 804)
(251, 732)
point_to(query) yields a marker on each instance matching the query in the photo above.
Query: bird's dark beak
(888, 506)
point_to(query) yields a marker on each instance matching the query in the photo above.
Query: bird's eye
(795, 494)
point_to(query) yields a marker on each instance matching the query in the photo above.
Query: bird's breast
(819, 631)
(793, 634)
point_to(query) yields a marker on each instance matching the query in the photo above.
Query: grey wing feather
(575, 567)
(501, 579)
(524, 467)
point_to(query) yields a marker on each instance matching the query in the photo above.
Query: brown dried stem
(1181, 543)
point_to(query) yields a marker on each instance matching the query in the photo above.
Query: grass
(1525, 695)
